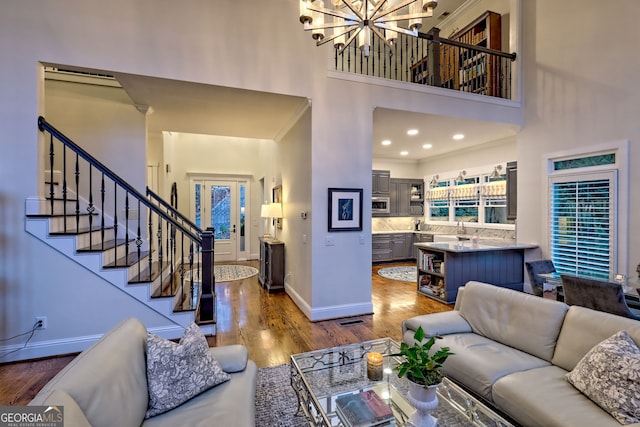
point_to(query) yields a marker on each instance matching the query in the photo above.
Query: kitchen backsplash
(408, 223)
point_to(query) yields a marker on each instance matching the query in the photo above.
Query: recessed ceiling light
(458, 136)
(404, 153)
(427, 146)
(412, 132)
(386, 142)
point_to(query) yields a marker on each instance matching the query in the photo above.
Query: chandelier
(363, 20)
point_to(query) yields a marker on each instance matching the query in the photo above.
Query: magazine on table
(364, 409)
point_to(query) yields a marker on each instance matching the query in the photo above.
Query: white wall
(581, 90)
(197, 41)
(293, 157)
(398, 168)
(485, 155)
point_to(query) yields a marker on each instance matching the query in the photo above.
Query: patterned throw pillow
(609, 374)
(176, 372)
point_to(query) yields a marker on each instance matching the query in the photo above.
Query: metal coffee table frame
(319, 377)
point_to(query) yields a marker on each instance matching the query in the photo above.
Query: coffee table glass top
(319, 377)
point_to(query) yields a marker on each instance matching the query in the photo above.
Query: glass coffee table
(320, 377)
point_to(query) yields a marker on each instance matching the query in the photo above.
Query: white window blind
(582, 228)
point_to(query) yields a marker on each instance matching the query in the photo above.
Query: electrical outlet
(43, 322)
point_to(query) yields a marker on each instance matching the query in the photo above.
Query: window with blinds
(582, 228)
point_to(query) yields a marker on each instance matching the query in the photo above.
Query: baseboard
(326, 313)
(50, 348)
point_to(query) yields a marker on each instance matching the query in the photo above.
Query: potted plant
(424, 372)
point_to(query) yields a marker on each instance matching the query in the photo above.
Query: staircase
(150, 251)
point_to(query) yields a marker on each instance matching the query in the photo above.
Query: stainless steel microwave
(380, 205)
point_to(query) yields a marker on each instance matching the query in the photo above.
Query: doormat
(403, 274)
(225, 273)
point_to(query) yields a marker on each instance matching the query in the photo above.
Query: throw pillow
(609, 374)
(176, 372)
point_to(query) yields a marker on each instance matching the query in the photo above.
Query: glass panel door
(221, 204)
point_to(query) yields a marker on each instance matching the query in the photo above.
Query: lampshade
(264, 210)
(275, 210)
(496, 172)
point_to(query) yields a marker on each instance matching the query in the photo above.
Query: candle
(374, 366)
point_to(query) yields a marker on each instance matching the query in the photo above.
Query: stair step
(99, 247)
(165, 290)
(147, 275)
(127, 261)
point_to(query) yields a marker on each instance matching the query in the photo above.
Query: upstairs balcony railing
(145, 234)
(433, 61)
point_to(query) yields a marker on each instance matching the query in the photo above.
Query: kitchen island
(445, 266)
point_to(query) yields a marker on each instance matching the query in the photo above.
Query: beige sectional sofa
(106, 385)
(513, 350)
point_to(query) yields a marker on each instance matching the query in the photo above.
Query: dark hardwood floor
(270, 325)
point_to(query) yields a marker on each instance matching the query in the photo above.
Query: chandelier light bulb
(347, 21)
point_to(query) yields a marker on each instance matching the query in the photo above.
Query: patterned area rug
(225, 273)
(404, 274)
(228, 273)
(276, 402)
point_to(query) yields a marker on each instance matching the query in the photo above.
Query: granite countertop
(482, 245)
(401, 232)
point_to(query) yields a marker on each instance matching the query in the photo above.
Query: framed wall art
(345, 209)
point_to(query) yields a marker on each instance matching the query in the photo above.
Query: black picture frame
(345, 209)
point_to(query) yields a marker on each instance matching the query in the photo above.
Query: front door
(221, 204)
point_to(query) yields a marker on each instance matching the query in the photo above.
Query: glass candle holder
(374, 366)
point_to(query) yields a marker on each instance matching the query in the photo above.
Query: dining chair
(597, 294)
(534, 268)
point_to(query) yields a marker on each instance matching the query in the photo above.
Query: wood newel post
(434, 57)
(208, 297)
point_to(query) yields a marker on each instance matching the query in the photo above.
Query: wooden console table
(271, 275)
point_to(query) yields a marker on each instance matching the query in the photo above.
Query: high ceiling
(179, 106)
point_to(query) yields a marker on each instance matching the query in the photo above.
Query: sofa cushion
(583, 329)
(176, 372)
(542, 397)
(478, 362)
(229, 404)
(516, 319)
(609, 374)
(73, 415)
(117, 359)
(447, 322)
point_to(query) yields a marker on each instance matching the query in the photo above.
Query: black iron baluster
(182, 266)
(103, 191)
(160, 253)
(150, 240)
(90, 207)
(190, 269)
(64, 187)
(115, 212)
(51, 156)
(139, 240)
(77, 173)
(126, 230)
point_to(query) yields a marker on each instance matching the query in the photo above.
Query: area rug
(228, 273)
(276, 402)
(225, 273)
(404, 274)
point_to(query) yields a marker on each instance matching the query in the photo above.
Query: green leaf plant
(418, 365)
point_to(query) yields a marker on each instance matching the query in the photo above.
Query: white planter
(425, 400)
